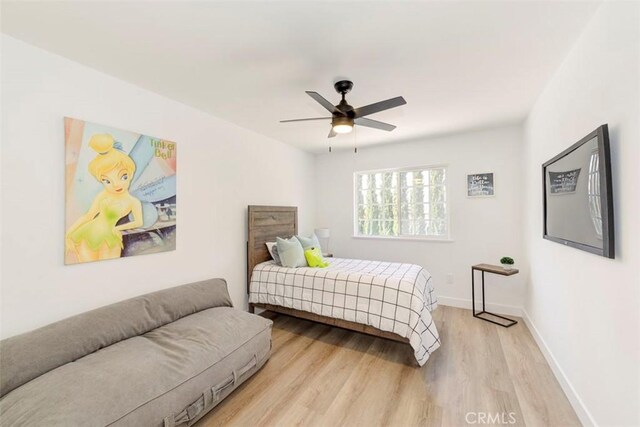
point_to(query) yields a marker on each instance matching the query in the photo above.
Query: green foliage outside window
(402, 203)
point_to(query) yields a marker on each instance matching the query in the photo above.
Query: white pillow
(309, 242)
(291, 252)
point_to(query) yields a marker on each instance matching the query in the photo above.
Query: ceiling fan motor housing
(342, 120)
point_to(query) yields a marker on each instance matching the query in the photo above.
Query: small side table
(495, 269)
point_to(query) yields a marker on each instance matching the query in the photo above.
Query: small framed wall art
(481, 185)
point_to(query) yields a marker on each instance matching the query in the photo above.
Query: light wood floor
(324, 376)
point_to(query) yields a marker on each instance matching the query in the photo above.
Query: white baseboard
(578, 405)
(509, 310)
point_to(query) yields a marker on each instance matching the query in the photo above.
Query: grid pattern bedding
(392, 297)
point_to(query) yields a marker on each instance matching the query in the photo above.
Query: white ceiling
(459, 65)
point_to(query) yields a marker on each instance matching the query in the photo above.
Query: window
(402, 203)
(593, 192)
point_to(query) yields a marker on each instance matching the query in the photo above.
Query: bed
(384, 299)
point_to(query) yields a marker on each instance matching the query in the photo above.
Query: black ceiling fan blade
(362, 121)
(305, 120)
(332, 133)
(322, 101)
(379, 106)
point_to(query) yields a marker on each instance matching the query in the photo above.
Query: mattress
(170, 376)
(393, 297)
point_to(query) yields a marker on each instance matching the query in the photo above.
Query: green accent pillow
(309, 242)
(314, 258)
(291, 252)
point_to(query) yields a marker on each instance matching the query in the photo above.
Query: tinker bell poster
(120, 193)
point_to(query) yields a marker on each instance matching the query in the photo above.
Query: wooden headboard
(265, 224)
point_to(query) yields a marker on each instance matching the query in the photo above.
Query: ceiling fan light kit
(344, 117)
(342, 124)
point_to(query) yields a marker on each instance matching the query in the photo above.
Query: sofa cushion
(27, 356)
(166, 371)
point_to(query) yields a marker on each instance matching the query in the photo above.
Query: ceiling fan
(344, 116)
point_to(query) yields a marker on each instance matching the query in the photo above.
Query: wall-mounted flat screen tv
(578, 197)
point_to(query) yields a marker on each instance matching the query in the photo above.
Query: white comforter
(391, 297)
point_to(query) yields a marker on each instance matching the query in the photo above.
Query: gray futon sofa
(162, 359)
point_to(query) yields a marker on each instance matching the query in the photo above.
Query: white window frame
(445, 238)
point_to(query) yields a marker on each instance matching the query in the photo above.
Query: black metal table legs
(510, 322)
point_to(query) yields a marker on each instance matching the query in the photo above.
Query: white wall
(221, 169)
(583, 308)
(482, 229)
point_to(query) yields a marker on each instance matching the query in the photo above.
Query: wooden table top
(496, 269)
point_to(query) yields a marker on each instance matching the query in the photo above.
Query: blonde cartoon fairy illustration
(96, 235)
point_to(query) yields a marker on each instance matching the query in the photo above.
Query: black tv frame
(606, 194)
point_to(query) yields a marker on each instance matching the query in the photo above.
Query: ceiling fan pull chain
(355, 140)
